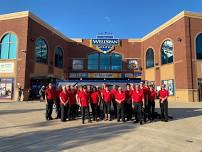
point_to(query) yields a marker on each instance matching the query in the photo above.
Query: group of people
(106, 104)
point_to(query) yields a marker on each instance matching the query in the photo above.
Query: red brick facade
(182, 32)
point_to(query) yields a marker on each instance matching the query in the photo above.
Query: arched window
(167, 52)
(93, 61)
(58, 57)
(116, 61)
(8, 46)
(105, 61)
(41, 51)
(150, 58)
(199, 46)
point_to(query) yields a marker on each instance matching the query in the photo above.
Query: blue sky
(87, 18)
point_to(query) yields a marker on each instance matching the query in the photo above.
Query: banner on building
(7, 67)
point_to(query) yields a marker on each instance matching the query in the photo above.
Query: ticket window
(6, 88)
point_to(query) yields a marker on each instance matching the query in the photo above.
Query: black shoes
(50, 118)
(135, 121)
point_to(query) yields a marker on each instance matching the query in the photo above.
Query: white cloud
(108, 19)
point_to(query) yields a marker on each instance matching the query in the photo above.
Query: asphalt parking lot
(24, 128)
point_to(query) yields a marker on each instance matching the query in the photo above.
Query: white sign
(78, 75)
(7, 67)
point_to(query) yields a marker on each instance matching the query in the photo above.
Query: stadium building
(33, 53)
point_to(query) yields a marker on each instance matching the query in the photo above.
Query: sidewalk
(24, 128)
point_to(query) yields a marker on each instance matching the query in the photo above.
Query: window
(101, 61)
(105, 61)
(167, 52)
(133, 64)
(58, 57)
(150, 58)
(93, 61)
(41, 51)
(116, 61)
(8, 46)
(77, 64)
(199, 46)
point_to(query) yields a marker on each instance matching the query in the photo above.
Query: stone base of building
(185, 95)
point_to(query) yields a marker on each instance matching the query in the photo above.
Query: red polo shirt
(102, 91)
(152, 95)
(120, 96)
(95, 97)
(65, 98)
(58, 93)
(50, 93)
(72, 99)
(84, 97)
(145, 90)
(137, 96)
(113, 91)
(128, 93)
(163, 93)
(107, 96)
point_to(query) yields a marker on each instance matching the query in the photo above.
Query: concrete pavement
(23, 128)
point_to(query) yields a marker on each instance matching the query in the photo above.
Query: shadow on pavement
(66, 138)
(182, 113)
(19, 111)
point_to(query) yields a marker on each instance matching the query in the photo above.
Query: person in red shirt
(57, 101)
(69, 92)
(137, 103)
(120, 98)
(95, 99)
(114, 91)
(78, 94)
(49, 96)
(64, 100)
(145, 89)
(163, 95)
(107, 98)
(83, 99)
(128, 103)
(100, 107)
(72, 103)
(152, 97)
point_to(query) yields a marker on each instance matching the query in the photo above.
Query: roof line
(155, 31)
(35, 18)
(40, 21)
(171, 21)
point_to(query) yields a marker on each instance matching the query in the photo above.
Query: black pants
(120, 111)
(107, 107)
(95, 108)
(64, 110)
(85, 110)
(164, 110)
(101, 110)
(151, 109)
(146, 110)
(115, 108)
(128, 109)
(73, 111)
(49, 109)
(138, 110)
(58, 109)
